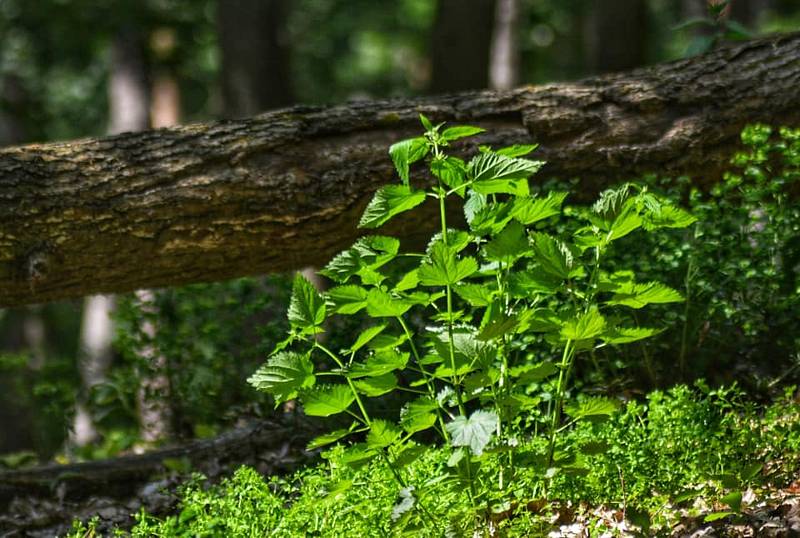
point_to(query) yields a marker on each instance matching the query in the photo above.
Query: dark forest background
(90, 378)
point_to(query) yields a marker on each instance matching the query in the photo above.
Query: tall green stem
(561, 387)
(456, 387)
(426, 376)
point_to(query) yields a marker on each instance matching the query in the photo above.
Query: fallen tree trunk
(284, 190)
(118, 477)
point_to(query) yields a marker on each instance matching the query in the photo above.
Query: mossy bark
(284, 190)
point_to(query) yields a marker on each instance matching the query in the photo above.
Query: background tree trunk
(128, 100)
(155, 403)
(462, 37)
(616, 36)
(284, 190)
(504, 56)
(255, 56)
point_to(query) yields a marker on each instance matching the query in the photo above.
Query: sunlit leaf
(382, 434)
(376, 386)
(529, 210)
(347, 299)
(389, 201)
(284, 375)
(306, 308)
(327, 400)
(460, 131)
(381, 304)
(592, 408)
(474, 432)
(367, 335)
(406, 152)
(588, 325)
(380, 363)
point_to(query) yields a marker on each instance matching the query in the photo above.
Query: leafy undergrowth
(682, 458)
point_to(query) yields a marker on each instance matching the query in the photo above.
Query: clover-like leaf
(474, 432)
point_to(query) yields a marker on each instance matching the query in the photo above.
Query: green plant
(487, 295)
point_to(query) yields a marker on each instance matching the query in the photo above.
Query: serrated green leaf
(284, 375)
(532, 373)
(539, 320)
(306, 307)
(592, 408)
(406, 152)
(381, 304)
(327, 400)
(626, 335)
(668, 216)
(388, 201)
(588, 325)
(522, 284)
(517, 150)
(367, 253)
(626, 222)
(381, 363)
(382, 434)
(474, 432)
(408, 282)
(517, 187)
(327, 439)
(367, 335)
(509, 245)
(529, 210)
(493, 166)
(476, 294)
(376, 386)
(357, 456)
(347, 299)
(452, 172)
(444, 268)
(640, 295)
(460, 131)
(554, 256)
(418, 415)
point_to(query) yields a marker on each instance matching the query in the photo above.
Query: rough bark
(462, 38)
(284, 190)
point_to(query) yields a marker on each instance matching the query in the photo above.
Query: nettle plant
(482, 293)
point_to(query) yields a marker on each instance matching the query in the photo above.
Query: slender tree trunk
(128, 100)
(255, 56)
(616, 36)
(504, 57)
(461, 42)
(155, 397)
(283, 190)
